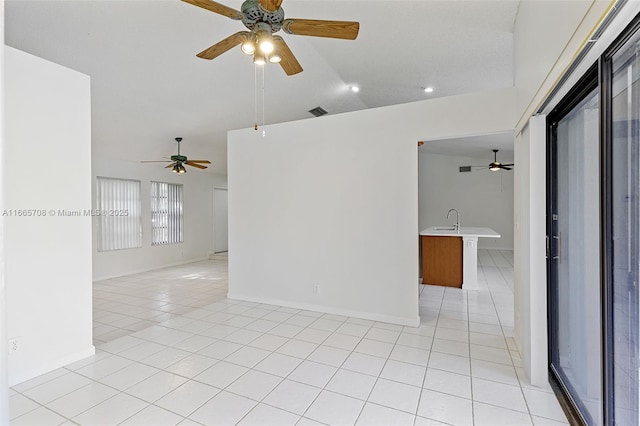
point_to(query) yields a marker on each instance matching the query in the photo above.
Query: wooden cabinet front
(442, 261)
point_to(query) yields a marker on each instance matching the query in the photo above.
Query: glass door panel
(575, 257)
(625, 243)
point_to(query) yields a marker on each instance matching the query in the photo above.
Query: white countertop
(465, 231)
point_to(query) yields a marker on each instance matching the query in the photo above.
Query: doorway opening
(220, 221)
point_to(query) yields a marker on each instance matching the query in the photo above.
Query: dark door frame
(586, 85)
(600, 76)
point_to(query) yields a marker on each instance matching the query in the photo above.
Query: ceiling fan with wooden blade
(496, 165)
(224, 45)
(263, 18)
(177, 162)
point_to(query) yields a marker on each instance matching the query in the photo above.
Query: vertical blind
(118, 209)
(166, 213)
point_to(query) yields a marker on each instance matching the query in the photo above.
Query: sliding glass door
(593, 229)
(574, 241)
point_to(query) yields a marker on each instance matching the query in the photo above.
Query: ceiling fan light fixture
(266, 46)
(249, 46)
(179, 169)
(265, 42)
(259, 58)
(495, 165)
(275, 57)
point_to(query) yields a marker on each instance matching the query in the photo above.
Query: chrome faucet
(456, 227)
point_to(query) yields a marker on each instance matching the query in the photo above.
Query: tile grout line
(433, 339)
(510, 356)
(473, 401)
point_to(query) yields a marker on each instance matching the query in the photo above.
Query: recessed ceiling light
(355, 89)
(428, 89)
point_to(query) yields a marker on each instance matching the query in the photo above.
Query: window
(118, 212)
(166, 213)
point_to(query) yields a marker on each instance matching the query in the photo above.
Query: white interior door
(220, 220)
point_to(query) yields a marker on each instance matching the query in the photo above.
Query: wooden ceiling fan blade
(506, 168)
(289, 63)
(347, 30)
(216, 7)
(270, 5)
(508, 164)
(192, 164)
(200, 161)
(222, 46)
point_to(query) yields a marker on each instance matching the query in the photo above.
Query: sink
(444, 228)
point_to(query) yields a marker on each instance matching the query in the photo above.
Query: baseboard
(154, 268)
(495, 248)
(23, 376)
(223, 255)
(409, 322)
(469, 287)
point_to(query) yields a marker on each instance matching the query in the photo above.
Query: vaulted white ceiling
(149, 87)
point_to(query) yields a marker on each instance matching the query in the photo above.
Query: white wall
(530, 250)
(333, 202)
(547, 36)
(482, 197)
(47, 258)
(198, 218)
(540, 59)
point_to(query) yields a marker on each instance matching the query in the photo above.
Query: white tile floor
(171, 349)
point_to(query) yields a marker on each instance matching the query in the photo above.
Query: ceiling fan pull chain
(255, 96)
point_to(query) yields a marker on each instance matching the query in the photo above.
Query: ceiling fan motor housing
(255, 14)
(180, 158)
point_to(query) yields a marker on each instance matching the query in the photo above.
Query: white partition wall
(323, 213)
(47, 170)
(530, 302)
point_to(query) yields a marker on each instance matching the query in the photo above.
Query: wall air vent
(464, 169)
(318, 111)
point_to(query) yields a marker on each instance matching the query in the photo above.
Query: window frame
(167, 221)
(115, 216)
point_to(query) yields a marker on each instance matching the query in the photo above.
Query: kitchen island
(449, 256)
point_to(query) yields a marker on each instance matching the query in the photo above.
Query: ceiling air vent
(465, 169)
(318, 111)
